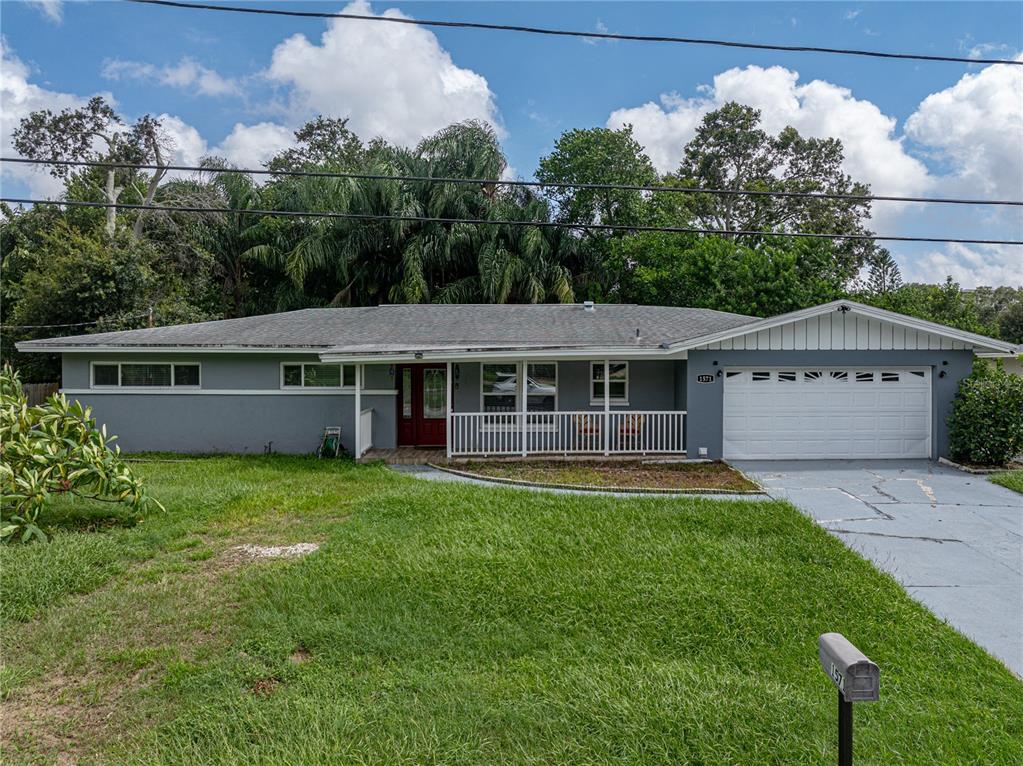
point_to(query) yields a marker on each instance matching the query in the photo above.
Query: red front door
(422, 405)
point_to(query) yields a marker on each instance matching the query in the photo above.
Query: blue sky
(238, 85)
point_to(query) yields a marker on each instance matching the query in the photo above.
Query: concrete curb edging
(596, 490)
(970, 468)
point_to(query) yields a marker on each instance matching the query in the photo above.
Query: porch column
(607, 406)
(449, 406)
(524, 389)
(358, 411)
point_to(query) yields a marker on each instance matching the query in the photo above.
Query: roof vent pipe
(589, 306)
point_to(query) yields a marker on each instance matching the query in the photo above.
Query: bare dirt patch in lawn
(610, 474)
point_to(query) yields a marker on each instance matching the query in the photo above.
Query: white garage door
(818, 412)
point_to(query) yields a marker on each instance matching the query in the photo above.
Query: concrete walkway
(953, 540)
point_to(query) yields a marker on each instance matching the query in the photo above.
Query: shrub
(986, 424)
(55, 449)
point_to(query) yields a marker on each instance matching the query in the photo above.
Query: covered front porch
(526, 407)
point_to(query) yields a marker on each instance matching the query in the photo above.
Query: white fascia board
(312, 351)
(996, 347)
(498, 355)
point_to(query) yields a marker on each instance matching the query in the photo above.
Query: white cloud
(19, 97)
(851, 15)
(51, 9)
(186, 74)
(976, 127)
(393, 81)
(249, 146)
(873, 152)
(969, 265)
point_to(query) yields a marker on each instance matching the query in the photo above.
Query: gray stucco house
(840, 380)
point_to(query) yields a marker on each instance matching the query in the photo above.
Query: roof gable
(847, 325)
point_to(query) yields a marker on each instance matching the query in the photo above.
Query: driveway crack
(900, 537)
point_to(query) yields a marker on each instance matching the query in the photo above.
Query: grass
(455, 624)
(1011, 479)
(617, 474)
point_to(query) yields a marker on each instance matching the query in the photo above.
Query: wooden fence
(38, 393)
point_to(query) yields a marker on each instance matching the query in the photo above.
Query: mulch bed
(617, 475)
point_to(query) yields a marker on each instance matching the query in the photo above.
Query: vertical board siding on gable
(839, 332)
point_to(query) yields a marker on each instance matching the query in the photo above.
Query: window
(500, 387)
(106, 375)
(316, 375)
(501, 393)
(618, 383)
(186, 375)
(759, 377)
(889, 377)
(542, 387)
(812, 375)
(406, 392)
(841, 375)
(434, 393)
(144, 375)
(786, 377)
(864, 377)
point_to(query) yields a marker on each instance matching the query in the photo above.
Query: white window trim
(93, 386)
(304, 387)
(521, 368)
(614, 401)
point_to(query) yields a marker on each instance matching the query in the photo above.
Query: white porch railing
(365, 431)
(566, 433)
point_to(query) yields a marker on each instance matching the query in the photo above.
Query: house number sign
(704, 378)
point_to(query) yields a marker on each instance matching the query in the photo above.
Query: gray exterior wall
(239, 408)
(705, 421)
(657, 384)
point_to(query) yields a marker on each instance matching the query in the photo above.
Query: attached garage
(827, 412)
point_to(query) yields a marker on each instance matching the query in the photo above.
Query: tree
(718, 273)
(365, 262)
(884, 275)
(991, 302)
(596, 156)
(92, 285)
(1010, 323)
(74, 134)
(55, 449)
(945, 304)
(731, 151)
(324, 142)
(228, 238)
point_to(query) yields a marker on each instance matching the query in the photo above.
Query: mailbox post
(858, 680)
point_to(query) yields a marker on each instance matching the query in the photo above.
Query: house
(840, 380)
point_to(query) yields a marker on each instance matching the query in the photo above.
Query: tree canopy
(96, 271)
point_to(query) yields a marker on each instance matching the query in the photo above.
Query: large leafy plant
(51, 450)
(986, 424)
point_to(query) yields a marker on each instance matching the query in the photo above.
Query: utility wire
(505, 222)
(532, 184)
(576, 33)
(73, 324)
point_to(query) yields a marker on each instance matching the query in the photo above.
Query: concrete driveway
(953, 540)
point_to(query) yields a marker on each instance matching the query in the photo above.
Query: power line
(506, 222)
(73, 324)
(517, 183)
(576, 33)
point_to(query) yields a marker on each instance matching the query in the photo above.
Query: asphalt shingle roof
(427, 327)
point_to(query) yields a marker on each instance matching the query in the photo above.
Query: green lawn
(454, 624)
(1010, 479)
